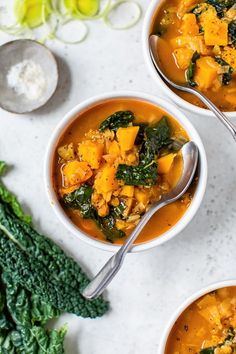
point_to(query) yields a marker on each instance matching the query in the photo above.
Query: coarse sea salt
(27, 78)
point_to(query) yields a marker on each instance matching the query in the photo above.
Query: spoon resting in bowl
(153, 46)
(110, 269)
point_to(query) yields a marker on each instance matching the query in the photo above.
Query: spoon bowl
(153, 47)
(108, 272)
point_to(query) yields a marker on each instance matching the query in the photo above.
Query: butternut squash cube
(105, 180)
(186, 6)
(127, 191)
(91, 152)
(216, 32)
(229, 55)
(114, 148)
(206, 72)
(76, 172)
(189, 25)
(126, 137)
(165, 163)
(183, 57)
(141, 196)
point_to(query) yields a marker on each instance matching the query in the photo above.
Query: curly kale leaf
(81, 199)
(145, 174)
(221, 5)
(46, 266)
(191, 69)
(117, 120)
(10, 199)
(232, 32)
(227, 76)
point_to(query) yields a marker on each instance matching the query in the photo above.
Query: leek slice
(88, 8)
(116, 6)
(63, 37)
(31, 13)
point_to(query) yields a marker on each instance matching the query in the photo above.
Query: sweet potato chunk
(126, 137)
(216, 32)
(127, 191)
(91, 152)
(105, 180)
(183, 57)
(164, 163)
(206, 72)
(76, 172)
(189, 25)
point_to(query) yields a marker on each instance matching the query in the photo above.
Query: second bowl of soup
(196, 47)
(111, 158)
(205, 323)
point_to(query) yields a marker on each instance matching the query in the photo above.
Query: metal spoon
(153, 42)
(107, 273)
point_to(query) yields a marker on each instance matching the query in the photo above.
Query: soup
(208, 326)
(198, 45)
(113, 162)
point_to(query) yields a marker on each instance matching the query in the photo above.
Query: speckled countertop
(151, 284)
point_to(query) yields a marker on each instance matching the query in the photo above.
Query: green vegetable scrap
(221, 6)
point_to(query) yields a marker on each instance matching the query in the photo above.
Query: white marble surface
(153, 283)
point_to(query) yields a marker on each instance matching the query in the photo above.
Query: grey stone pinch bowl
(14, 52)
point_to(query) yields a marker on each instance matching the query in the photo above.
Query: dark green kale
(117, 120)
(9, 198)
(191, 69)
(40, 266)
(232, 32)
(108, 226)
(81, 199)
(141, 175)
(156, 137)
(221, 6)
(20, 332)
(227, 76)
(141, 133)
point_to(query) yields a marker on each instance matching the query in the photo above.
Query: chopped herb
(191, 69)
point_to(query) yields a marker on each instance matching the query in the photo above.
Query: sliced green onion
(116, 6)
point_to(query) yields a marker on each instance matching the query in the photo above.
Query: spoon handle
(220, 115)
(110, 269)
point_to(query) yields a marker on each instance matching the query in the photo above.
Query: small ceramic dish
(15, 52)
(148, 22)
(95, 101)
(189, 301)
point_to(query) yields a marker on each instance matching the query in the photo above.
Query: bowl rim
(187, 302)
(54, 61)
(166, 106)
(165, 88)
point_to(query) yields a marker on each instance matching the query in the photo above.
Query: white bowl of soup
(205, 323)
(195, 47)
(110, 158)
